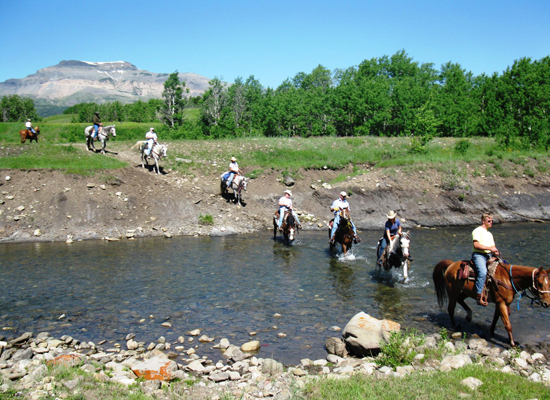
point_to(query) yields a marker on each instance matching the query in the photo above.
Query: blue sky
(272, 40)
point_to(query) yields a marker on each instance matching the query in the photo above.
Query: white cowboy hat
(391, 215)
(343, 194)
(289, 192)
(152, 129)
(233, 159)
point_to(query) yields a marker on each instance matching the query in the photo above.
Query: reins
(535, 299)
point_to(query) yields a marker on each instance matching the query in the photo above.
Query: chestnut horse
(507, 281)
(27, 134)
(289, 226)
(344, 234)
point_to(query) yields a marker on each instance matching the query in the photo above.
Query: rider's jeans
(383, 245)
(230, 179)
(282, 211)
(96, 130)
(480, 266)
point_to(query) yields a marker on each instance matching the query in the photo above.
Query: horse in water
(102, 136)
(454, 283)
(238, 184)
(396, 254)
(289, 226)
(344, 234)
(27, 134)
(157, 152)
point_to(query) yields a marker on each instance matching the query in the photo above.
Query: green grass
(68, 158)
(206, 219)
(432, 386)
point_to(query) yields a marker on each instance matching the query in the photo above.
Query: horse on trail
(157, 152)
(344, 234)
(289, 226)
(27, 134)
(102, 136)
(454, 283)
(238, 184)
(396, 254)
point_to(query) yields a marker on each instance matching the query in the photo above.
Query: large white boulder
(365, 334)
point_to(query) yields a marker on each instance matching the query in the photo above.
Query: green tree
(17, 109)
(174, 101)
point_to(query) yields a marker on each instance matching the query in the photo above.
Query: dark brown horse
(289, 226)
(507, 281)
(344, 234)
(27, 134)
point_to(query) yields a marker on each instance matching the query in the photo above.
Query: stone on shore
(156, 368)
(364, 334)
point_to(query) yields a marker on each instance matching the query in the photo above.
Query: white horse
(396, 253)
(157, 152)
(238, 184)
(102, 135)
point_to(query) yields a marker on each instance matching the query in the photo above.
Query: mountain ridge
(72, 81)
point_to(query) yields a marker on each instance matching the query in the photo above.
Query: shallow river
(232, 286)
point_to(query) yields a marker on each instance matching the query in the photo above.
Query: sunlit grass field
(476, 156)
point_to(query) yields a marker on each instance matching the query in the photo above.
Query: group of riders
(483, 242)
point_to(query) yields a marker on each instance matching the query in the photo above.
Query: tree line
(385, 96)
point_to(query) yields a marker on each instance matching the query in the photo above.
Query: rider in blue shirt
(391, 228)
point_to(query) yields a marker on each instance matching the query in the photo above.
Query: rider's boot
(299, 226)
(410, 258)
(356, 239)
(331, 241)
(481, 300)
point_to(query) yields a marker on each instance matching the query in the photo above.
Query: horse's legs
(468, 310)
(505, 316)
(451, 308)
(157, 165)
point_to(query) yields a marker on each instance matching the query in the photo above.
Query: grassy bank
(437, 385)
(455, 158)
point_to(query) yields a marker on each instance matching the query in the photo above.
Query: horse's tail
(137, 145)
(439, 282)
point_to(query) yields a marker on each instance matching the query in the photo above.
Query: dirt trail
(39, 205)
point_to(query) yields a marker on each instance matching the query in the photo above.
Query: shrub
(462, 146)
(206, 219)
(399, 349)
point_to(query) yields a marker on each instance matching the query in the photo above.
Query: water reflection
(232, 286)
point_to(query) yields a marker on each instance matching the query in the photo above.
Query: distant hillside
(71, 82)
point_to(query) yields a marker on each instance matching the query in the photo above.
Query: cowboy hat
(233, 159)
(391, 215)
(289, 192)
(343, 194)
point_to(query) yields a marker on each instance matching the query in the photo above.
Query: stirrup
(331, 241)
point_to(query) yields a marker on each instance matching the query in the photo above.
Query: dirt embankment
(43, 205)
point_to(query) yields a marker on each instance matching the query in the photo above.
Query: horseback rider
(392, 227)
(483, 249)
(340, 204)
(97, 123)
(151, 140)
(29, 126)
(233, 170)
(285, 203)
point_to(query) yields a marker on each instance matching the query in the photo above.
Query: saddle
(466, 270)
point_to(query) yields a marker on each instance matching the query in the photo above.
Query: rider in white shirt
(151, 138)
(233, 170)
(285, 203)
(340, 204)
(29, 126)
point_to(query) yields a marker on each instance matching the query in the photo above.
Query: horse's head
(37, 130)
(344, 213)
(541, 286)
(163, 150)
(405, 243)
(244, 182)
(113, 131)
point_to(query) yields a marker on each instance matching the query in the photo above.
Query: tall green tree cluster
(389, 96)
(15, 108)
(116, 111)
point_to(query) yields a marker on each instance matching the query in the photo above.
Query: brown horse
(344, 234)
(27, 134)
(507, 281)
(289, 226)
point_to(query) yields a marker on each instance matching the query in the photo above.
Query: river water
(233, 286)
